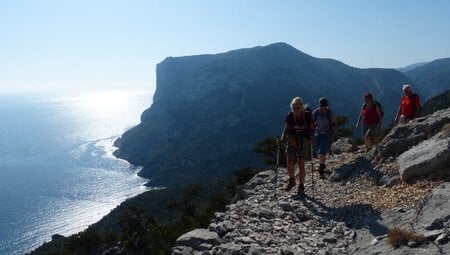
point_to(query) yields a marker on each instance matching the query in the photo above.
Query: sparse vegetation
(341, 129)
(268, 149)
(398, 237)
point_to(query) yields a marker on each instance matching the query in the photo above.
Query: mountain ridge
(210, 110)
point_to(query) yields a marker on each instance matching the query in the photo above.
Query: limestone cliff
(210, 110)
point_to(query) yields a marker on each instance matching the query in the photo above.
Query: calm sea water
(57, 171)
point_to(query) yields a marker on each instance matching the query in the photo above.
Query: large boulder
(197, 237)
(434, 212)
(344, 144)
(248, 189)
(359, 166)
(428, 159)
(402, 137)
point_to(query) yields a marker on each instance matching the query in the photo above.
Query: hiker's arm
(283, 134)
(359, 117)
(398, 114)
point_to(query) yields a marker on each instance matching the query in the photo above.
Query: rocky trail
(352, 210)
(343, 217)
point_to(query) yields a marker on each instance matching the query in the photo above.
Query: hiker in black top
(324, 124)
(297, 132)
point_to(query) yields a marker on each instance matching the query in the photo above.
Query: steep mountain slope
(410, 67)
(209, 111)
(436, 103)
(433, 78)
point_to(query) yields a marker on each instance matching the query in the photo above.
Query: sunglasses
(296, 108)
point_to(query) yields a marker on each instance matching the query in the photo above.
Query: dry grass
(446, 129)
(398, 237)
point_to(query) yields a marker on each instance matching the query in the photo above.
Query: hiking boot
(322, 174)
(301, 188)
(291, 184)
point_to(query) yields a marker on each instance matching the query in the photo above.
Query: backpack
(379, 105)
(413, 98)
(332, 124)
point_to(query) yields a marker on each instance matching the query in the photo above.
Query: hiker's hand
(280, 141)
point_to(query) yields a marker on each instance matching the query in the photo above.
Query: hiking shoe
(301, 188)
(291, 184)
(322, 174)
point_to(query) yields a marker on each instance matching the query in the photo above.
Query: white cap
(405, 86)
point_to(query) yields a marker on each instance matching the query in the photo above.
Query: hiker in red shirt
(371, 116)
(409, 108)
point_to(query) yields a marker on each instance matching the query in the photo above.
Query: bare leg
(291, 173)
(301, 170)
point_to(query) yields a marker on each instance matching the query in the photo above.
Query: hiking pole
(312, 172)
(276, 171)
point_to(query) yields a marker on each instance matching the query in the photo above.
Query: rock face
(430, 158)
(434, 213)
(402, 137)
(209, 111)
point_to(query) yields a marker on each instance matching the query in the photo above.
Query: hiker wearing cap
(324, 124)
(298, 127)
(371, 116)
(409, 108)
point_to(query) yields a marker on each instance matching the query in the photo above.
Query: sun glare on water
(106, 100)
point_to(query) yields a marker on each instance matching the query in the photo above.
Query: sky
(71, 46)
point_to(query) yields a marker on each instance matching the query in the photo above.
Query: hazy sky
(79, 45)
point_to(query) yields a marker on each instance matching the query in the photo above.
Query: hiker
(324, 124)
(297, 132)
(371, 115)
(409, 108)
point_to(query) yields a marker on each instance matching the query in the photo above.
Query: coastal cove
(57, 171)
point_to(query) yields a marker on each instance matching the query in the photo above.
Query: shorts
(370, 130)
(323, 142)
(403, 120)
(298, 148)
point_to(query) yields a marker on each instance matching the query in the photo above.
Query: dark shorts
(323, 143)
(370, 130)
(300, 149)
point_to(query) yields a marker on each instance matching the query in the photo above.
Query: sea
(58, 174)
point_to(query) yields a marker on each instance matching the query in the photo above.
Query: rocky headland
(368, 205)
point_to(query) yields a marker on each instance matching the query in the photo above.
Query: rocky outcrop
(434, 212)
(428, 159)
(360, 166)
(198, 239)
(403, 137)
(344, 144)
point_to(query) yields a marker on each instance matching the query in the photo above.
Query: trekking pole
(276, 171)
(312, 172)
